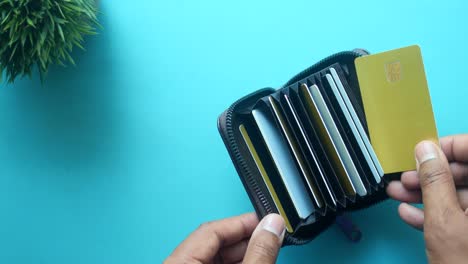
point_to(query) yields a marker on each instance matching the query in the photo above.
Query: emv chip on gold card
(397, 105)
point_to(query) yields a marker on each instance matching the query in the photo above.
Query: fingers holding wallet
(233, 240)
(217, 241)
(266, 240)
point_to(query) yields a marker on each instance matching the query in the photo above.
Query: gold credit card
(265, 177)
(397, 105)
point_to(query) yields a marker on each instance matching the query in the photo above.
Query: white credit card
(338, 141)
(284, 162)
(357, 122)
(353, 127)
(295, 150)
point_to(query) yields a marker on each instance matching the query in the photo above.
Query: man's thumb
(436, 180)
(266, 240)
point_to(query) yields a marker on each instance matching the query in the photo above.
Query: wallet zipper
(325, 62)
(243, 166)
(238, 157)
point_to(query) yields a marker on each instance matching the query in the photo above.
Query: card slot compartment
(363, 167)
(268, 178)
(312, 163)
(349, 79)
(285, 122)
(334, 144)
(343, 129)
(318, 148)
(361, 126)
(282, 124)
(282, 160)
(356, 136)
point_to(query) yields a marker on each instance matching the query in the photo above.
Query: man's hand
(233, 240)
(441, 186)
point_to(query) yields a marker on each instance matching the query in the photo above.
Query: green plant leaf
(5, 17)
(60, 32)
(30, 22)
(13, 53)
(42, 32)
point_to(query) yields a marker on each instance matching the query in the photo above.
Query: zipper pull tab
(347, 226)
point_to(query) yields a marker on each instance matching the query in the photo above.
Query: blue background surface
(117, 159)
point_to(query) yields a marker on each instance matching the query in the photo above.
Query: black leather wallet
(273, 126)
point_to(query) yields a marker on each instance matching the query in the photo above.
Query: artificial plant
(42, 32)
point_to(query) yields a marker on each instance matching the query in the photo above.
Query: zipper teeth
(320, 64)
(235, 150)
(241, 160)
(232, 143)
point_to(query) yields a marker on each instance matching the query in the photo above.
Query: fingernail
(425, 151)
(274, 223)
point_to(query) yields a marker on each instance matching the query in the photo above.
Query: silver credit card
(353, 127)
(357, 122)
(338, 141)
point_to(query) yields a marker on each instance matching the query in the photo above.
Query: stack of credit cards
(319, 153)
